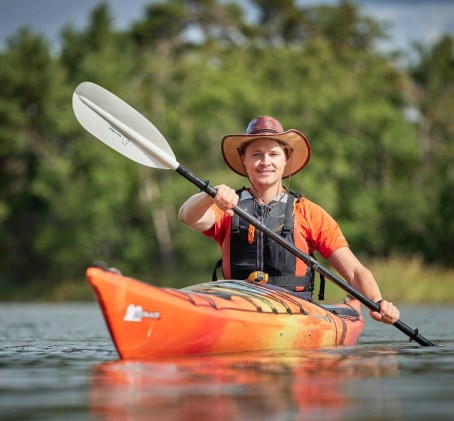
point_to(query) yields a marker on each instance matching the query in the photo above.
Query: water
(57, 362)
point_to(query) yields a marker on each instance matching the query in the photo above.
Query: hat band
(264, 131)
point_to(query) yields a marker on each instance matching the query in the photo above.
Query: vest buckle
(258, 278)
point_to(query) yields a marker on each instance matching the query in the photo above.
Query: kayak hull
(147, 322)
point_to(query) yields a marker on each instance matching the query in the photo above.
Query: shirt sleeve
(321, 231)
(219, 229)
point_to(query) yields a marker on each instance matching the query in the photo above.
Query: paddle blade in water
(121, 127)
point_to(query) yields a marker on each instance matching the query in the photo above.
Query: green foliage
(434, 78)
(199, 70)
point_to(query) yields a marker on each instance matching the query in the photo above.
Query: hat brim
(297, 142)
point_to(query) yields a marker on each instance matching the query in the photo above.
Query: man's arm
(362, 279)
(196, 212)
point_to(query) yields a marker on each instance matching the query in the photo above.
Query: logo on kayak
(136, 314)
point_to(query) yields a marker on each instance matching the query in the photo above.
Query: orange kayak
(148, 322)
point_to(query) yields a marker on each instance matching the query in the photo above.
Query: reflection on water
(274, 386)
(57, 362)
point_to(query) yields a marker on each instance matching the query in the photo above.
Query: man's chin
(266, 181)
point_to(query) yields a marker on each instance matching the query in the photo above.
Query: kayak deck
(263, 298)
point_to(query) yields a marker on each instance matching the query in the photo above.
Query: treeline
(381, 134)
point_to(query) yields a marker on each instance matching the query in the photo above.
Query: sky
(410, 20)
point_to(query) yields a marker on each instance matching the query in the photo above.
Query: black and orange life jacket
(246, 250)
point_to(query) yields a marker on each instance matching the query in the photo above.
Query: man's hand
(226, 199)
(388, 313)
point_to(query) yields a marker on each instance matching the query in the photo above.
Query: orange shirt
(320, 231)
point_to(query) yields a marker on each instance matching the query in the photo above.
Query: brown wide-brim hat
(265, 127)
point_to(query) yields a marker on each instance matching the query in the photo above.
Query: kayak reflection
(289, 386)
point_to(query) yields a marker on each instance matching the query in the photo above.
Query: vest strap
(292, 283)
(321, 292)
(217, 265)
(288, 221)
(235, 224)
(235, 221)
(289, 211)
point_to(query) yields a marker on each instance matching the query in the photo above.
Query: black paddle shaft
(310, 261)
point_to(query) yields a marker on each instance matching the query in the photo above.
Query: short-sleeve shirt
(317, 227)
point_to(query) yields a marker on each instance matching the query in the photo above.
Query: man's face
(264, 160)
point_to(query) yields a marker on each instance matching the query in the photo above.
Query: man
(266, 155)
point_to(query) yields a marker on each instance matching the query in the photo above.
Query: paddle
(121, 127)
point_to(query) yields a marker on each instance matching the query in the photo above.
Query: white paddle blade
(121, 127)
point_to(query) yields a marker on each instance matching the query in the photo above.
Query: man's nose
(265, 159)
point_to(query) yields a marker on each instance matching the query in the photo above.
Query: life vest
(246, 249)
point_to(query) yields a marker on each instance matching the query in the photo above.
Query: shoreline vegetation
(380, 129)
(402, 281)
(406, 281)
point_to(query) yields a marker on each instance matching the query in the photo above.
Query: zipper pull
(250, 234)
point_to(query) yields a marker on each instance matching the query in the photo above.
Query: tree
(433, 74)
(30, 99)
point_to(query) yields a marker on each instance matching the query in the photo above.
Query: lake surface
(57, 362)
